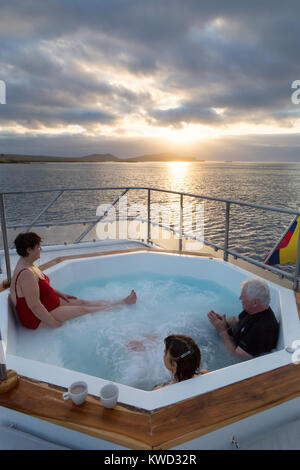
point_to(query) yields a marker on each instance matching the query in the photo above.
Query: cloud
(186, 113)
(133, 66)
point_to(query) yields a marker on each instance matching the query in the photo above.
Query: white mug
(109, 395)
(77, 391)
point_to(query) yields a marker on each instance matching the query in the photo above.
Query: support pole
(226, 231)
(149, 217)
(181, 223)
(297, 273)
(4, 235)
(8, 379)
(3, 371)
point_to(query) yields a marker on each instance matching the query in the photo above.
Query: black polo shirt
(257, 333)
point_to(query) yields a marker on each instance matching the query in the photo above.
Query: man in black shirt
(255, 330)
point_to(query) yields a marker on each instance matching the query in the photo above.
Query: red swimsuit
(48, 297)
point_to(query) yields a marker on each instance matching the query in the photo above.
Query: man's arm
(236, 351)
(232, 320)
(221, 324)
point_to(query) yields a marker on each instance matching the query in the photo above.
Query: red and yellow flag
(285, 251)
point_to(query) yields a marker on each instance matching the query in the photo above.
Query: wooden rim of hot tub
(162, 428)
(165, 427)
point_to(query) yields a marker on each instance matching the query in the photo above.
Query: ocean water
(92, 344)
(252, 232)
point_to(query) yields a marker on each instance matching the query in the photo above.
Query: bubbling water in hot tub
(98, 344)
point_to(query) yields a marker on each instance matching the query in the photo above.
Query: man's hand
(218, 321)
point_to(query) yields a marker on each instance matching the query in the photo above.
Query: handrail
(33, 222)
(225, 247)
(83, 234)
(199, 196)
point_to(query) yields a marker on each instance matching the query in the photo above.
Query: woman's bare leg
(67, 311)
(130, 299)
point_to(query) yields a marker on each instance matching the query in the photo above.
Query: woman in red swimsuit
(36, 302)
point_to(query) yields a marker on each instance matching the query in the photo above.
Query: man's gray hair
(257, 289)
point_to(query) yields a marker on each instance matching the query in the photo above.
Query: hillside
(107, 157)
(10, 158)
(96, 157)
(161, 157)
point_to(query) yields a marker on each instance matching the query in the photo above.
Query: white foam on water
(98, 343)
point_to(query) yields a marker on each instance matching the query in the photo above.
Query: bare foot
(135, 345)
(153, 338)
(131, 299)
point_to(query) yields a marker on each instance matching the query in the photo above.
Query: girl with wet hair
(182, 357)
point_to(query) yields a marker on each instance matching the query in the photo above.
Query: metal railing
(295, 277)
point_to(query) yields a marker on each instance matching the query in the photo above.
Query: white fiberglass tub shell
(223, 273)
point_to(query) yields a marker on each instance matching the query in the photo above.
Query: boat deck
(49, 253)
(141, 429)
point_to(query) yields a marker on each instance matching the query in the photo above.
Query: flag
(285, 251)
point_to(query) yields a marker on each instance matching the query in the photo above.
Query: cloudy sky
(211, 79)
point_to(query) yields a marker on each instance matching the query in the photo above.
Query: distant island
(107, 157)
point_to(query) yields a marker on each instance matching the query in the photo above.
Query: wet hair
(25, 241)
(257, 289)
(186, 353)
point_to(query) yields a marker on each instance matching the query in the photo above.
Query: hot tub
(127, 264)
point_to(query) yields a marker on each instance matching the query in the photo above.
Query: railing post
(181, 222)
(226, 231)
(297, 272)
(4, 235)
(149, 217)
(3, 370)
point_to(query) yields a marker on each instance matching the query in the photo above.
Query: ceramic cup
(77, 391)
(109, 395)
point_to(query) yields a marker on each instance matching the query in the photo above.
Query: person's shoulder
(270, 312)
(272, 319)
(25, 274)
(201, 372)
(242, 315)
(266, 324)
(269, 315)
(164, 384)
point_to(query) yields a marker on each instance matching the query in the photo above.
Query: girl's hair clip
(187, 353)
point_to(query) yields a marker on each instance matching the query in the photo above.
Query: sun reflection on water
(178, 172)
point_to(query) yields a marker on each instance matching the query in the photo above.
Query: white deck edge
(178, 392)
